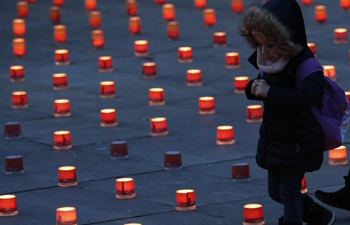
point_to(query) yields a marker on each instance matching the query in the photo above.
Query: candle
(185, 200)
(172, 160)
(8, 205)
(134, 25)
(347, 93)
(200, 4)
(224, 135)
(149, 70)
(253, 214)
(119, 149)
(12, 130)
(131, 7)
(125, 188)
(194, 77)
(62, 140)
(66, 216)
(345, 4)
(168, 12)
(22, 9)
(67, 176)
(156, 96)
(329, 71)
(57, 2)
(320, 13)
(338, 156)
(95, 19)
(19, 27)
(14, 164)
(240, 83)
(90, 5)
(173, 29)
(237, 6)
(240, 172)
(185, 54)
(107, 89)
(303, 189)
(141, 48)
(105, 64)
(55, 14)
(209, 17)
(232, 60)
(108, 118)
(19, 47)
(59, 81)
(306, 2)
(16, 73)
(340, 36)
(60, 34)
(159, 126)
(254, 114)
(98, 40)
(62, 57)
(62, 108)
(160, 1)
(19, 100)
(312, 47)
(31, 1)
(219, 39)
(206, 105)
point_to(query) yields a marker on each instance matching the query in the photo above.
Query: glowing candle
(329, 71)
(19, 47)
(141, 48)
(340, 36)
(240, 83)
(19, 27)
(105, 64)
(98, 40)
(107, 89)
(172, 160)
(149, 70)
(8, 205)
(206, 105)
(173, 30)
(200, 4)
(160, 1)
(134, 25)
(347, 93)
(240, 172)
(159, 126)
(194, 77)
(31, 1)
(119, 149)
(61, 57)
(90, 5)
(168, 12)
(95, 19)
(303, 189)
(306, 2)
(22, 9)
(320, 13)
(62, 108)
(62, 140)
(59, 81)
(345, 4)
(12, 130)
(338, 156)
(237, 6)
(125, 188)
(185, 200)
(55, 14)
(185, 54)
(108, 118)
(19, 100)
(14, 164)
(131, 7)
(66, 216)
(60, 33)
(219, 39)
(156, 96)
(16, 73)
(224, 135)
(253, 214)
(57, 2)
(67, 176)
(232, 60)
(254, 114)
(312, 47)
(209, 17)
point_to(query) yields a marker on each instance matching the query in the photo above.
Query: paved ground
(207, 167)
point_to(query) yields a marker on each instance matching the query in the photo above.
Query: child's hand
(253, 88)
(262, 88)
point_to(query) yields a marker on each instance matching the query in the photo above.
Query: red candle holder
(62, 57)
(254, 114)
(149, 70)
(306, 2)
(60, 34)
(107, 89)
(345, 4)
(16, 73)
(156, 96)
(62, 108)
(206, 105)
(312, 47)
(200, 4)
(119, 149)
(59, 81)
(185, 200)
(237, 6)
(347, 93)
(19, 47)
(172, 160)
(108, 118)
(253, 214)
(209, 17)
(67, 176)
(14, 164)
(219, 39)
(320, 13)
(185, 54)
(125, 188)
(303, 189)
(240, 172)
(55, 14)
(19, 27)
(160, 1)
(340, 36)
(58, 2)
(8, 205)
(338, 156)
(62, 140)
(19, 100)
(12, 130)
(95, 19)
(194, 77)
(134, 25)
(22, 9)
(224, 135)
(141, 48)
(240, 83)
(31, 1)
(131, 7)
(98, 40)
(105, 64)
(90, 5)
(232, 60)
(66, 216)
(329, 71)
(168, 12)
(159, 126)
(173, 29)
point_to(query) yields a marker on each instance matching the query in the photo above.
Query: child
(291, 138)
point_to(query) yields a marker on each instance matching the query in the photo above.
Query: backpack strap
(306, 68)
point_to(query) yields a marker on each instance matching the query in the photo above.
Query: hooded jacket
(291, 138)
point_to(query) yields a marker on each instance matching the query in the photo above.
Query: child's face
(268, 48)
